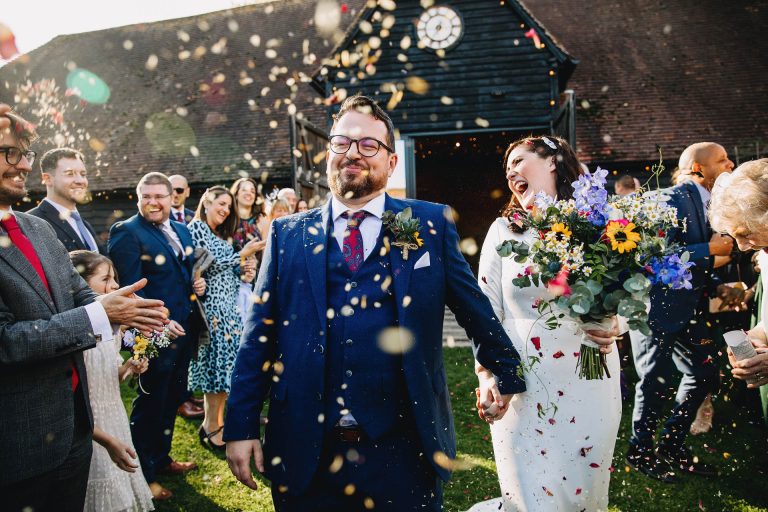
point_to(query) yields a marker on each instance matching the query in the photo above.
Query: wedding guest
(65, 177)
(179, 195)
(739, 207)
(150, 245)
(302, 206)
(249, 205)
(288, 195)
(626, 184)
(346, 342)
(278, 208)
(528, 480)
(114, 485)
(191, 408)
(210, 372)
(678, 319)
(49, 317)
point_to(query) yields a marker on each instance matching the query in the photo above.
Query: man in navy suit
(681, 335)
(346, 341)
(179, 195)
(150, 245)
(65, 177)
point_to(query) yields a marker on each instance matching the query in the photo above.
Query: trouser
(389, 474)
(63, 488)
(693, 353)
(163, 388)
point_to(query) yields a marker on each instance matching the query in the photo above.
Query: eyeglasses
(13, 155)
(179, 190)
(147, 199)
(367, 146)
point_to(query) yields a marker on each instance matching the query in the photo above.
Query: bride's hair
(567, 170)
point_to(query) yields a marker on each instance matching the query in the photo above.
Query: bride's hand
(605, 339)
(490, 403)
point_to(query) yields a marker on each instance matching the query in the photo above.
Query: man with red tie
(179, 196)
(48, 316)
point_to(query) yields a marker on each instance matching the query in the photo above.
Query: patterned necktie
(352, 248)
(23, 244)
(85, 235)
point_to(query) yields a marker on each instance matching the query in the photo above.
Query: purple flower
(129, 338)
(591, 196)
(672, 272)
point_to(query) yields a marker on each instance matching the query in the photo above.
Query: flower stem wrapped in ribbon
(599, 256)
(405, 229)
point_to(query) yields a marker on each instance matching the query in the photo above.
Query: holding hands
(490, 403)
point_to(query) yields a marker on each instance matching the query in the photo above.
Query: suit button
(319, 396)
(349, 342)
(348, 373)
(353, 284)
(321, 349)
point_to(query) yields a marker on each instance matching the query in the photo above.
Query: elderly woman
(739, 207)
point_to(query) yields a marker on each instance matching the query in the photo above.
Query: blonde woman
(739, 207)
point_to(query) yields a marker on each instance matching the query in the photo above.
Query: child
(114, 484)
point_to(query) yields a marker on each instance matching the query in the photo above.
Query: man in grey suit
(48, 316)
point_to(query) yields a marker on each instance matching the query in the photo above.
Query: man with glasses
(65, 177)
(345, 338)
(150, 245)
(48, 317)
(179, 196)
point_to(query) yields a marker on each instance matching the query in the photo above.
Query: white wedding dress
(557, 462)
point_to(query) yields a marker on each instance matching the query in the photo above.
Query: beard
(355, 187)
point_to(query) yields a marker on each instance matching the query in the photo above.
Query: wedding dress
(547, 460)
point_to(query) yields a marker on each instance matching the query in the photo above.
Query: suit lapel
(317, 234)
(401, 268)
(53, 217)
(155, 232)
(698, 206)
(18, 262)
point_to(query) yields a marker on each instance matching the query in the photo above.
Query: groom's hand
(491, 404)
(239, 455)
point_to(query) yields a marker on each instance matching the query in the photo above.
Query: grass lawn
(736, 445)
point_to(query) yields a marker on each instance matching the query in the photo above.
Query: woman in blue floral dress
(212, 228)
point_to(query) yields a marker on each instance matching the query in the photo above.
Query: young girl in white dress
(115, 481)
(554, 461)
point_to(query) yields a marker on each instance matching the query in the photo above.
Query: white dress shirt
(97, 315)
(66, 214)
(369, 228)
(175, 212)
(705, 196)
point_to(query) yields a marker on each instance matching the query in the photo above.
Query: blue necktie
(85, 236)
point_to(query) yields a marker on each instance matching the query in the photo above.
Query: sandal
(206, 439)
(159, 493)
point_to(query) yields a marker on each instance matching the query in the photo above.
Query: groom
(345, 339)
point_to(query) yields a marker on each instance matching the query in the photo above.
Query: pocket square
(422, 262)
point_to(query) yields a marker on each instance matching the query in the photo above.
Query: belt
(348, 434)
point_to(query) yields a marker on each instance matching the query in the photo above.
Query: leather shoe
(197, 401)
(177, 468)
(190, 411)
(646, 462)
(681, 459)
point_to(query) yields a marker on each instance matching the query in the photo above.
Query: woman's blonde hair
(740, 200)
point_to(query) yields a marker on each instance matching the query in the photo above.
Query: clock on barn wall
(439, 28)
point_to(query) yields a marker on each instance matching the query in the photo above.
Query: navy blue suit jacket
(672, 310)
(289, 323)
(139, 249)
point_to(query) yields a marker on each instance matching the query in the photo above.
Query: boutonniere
(405, 229)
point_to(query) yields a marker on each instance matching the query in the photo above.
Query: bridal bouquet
(146, 347)
(598, 255)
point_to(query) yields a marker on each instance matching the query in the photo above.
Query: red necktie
(179, 217)
(352, 248)
(23, 244)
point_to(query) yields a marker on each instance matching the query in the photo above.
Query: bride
(554, 443)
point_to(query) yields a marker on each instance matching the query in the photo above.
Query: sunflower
(559, 227)
(621, 235)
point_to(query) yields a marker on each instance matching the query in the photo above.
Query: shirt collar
(3, 213)
(703, 192)
(61, 208)
(178, 210)
(374, 207)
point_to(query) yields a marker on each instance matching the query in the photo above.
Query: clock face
(439, 28)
